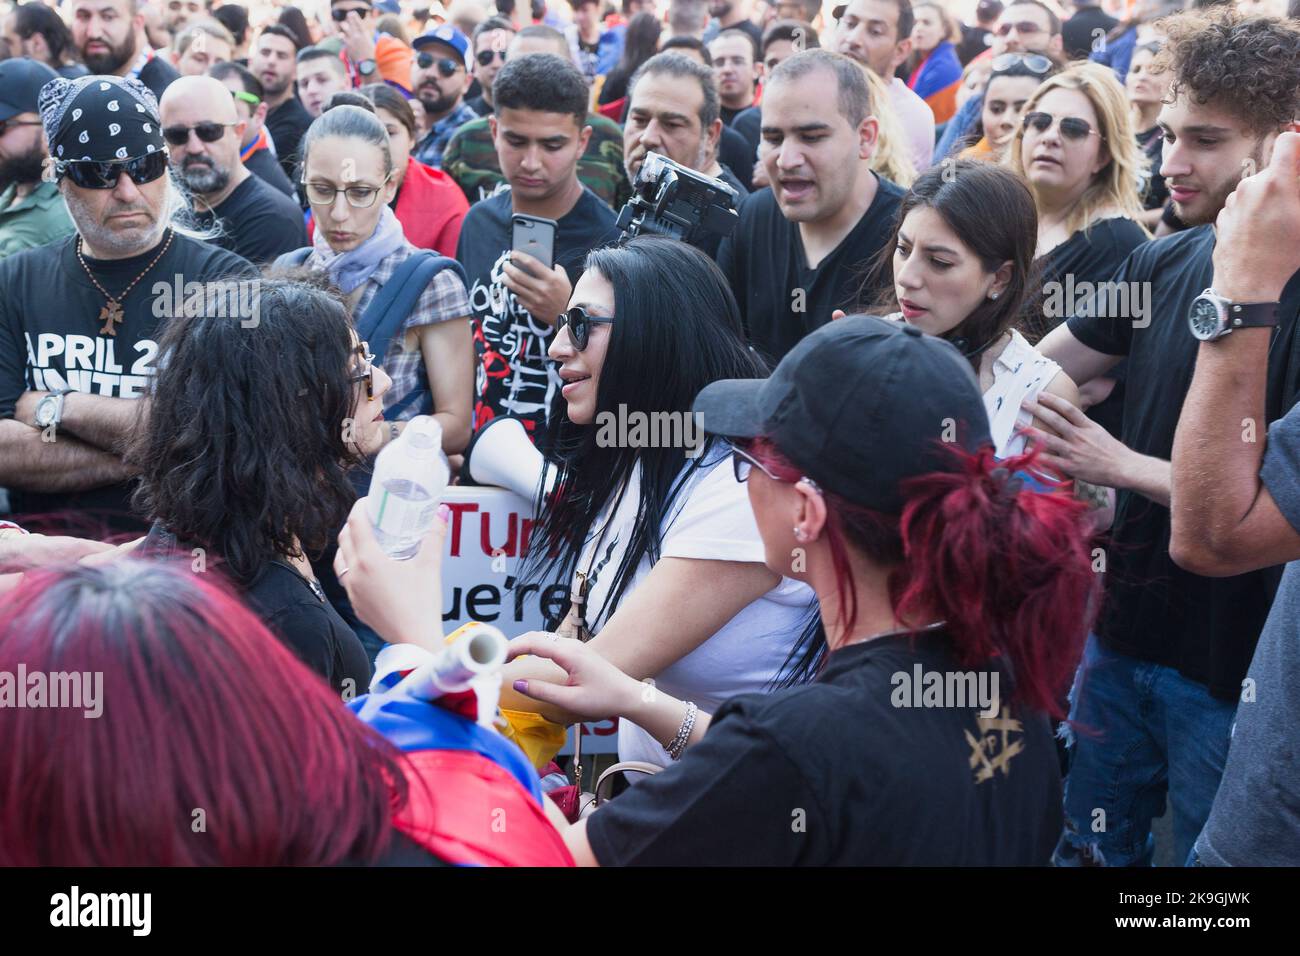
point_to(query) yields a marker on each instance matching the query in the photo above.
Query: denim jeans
(1141, 732)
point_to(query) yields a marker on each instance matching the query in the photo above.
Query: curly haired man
(1156, 694)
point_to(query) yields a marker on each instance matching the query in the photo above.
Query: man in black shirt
(673, 111)
(735, 65)
(1162, 674)
(273, 60)
(110, 36)
(808, 245)
(79, 318)
(977, 39)
(255, 221)
(1086, 30)
(255, 147)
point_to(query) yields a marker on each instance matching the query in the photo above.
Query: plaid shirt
(429, 150)
(444, 299)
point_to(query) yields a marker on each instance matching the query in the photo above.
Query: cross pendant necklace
(111, 314)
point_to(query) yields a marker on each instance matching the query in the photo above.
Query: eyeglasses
(5, 124)
(207, 132)
(579, 323)
(1072, 128)
(1034, 62)
(742, 463)
(1023, 27)
(367, 373)
(485, 57)
(341, 15)
(446, 65)
(359, 197)
(89, 174)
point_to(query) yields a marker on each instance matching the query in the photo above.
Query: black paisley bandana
(100, 119)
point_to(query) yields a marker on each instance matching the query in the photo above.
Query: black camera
(669, 199)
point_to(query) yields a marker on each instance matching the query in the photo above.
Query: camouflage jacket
(471, 159)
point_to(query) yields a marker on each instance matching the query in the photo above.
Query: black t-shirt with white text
(258, 221)
(52, 333)
(859, 768)
(1205, 628)
(514, 375)
(781, 299)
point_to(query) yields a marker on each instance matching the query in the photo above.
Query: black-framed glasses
(447, 67)
(5, 124)
(1034, 62)
(341, 15)
(359, 197)
(208, 132)
(485, 57)
(90, 174)
(579, 324)
(1024, 27)
(1072, 128)
(367, 373)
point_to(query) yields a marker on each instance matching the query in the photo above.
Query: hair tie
(1006, 485)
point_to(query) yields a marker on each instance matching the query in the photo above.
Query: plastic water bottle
(410, 477)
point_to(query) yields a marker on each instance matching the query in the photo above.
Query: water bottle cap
(425, 432)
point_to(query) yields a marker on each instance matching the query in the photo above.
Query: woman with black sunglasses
(253, 482)
(1077, 150)
(649, 515)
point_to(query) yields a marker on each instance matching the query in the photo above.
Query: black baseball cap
(21, 80)
(859, 405)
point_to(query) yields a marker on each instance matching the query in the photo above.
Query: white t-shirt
(1020, 372)
(710, 520)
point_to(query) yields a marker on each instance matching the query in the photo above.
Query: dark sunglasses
(579, 323)
(208, 132)
(1023, 27)
(485, 57)
(6, 124)
(341, 15)
(446, 65)
(1072, 128)
(89, 174)
(367, 373)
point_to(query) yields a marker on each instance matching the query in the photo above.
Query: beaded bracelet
(678, 744)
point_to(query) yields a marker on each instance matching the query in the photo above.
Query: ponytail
(1008, 568)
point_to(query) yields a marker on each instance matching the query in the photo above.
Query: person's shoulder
(476, 128)
(491, 213)
(205, 260)
(604, 127)
(1181, 248)
(888, 192)
(759, 208)
(267, 200)
(38, 258)
(1122, 231)
(594, 212)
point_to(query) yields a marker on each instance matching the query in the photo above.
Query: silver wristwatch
(1212, 316)
(49, 410)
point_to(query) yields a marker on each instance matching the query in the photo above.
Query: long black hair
(676, 328)
(243, 451)
(962, 193)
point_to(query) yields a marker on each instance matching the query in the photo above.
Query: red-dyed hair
(203, 709)
(1011, 572)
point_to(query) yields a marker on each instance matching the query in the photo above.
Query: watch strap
(1252, 315)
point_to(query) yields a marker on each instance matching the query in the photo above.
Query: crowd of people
(994, 352)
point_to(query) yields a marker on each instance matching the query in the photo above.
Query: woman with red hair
(194, 737)
(955, 603)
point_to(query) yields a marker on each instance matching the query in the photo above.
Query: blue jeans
(1141, 732)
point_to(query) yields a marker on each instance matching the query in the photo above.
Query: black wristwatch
(367, 68)
(1212, 316)
(49, 410)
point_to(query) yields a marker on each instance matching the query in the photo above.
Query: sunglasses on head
(579, 324)
(485, 57)
(89, 174)
(446, 65)
(341, 15)
(6, 124)
(1023, 27)
(208, 132)
(1072, 128)
(1034, 62)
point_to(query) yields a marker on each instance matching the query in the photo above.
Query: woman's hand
(401, 600)
(595, 689)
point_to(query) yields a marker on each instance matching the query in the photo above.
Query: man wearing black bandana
(110, 37)
(80, 318)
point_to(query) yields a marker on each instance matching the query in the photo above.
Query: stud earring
(800, 534)
(994, 295)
